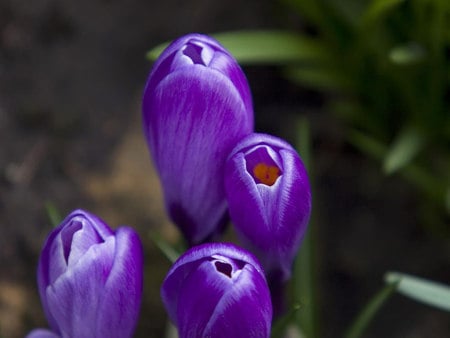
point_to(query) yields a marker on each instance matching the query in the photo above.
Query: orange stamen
(266, 174)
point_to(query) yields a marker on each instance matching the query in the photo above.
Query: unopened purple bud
(90, 279)
(269, 200)
(196, 107)
(218, 290)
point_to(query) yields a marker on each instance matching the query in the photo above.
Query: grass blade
(407, 54)
(280, 325)
(53, 214)
(377, 9)
(366, 315)
(404, 149)
(318, 78)
(421, 290)
(168, 251)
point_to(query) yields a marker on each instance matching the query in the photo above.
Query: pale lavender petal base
(42, 333)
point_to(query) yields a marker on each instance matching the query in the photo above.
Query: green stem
(366, 315)
(169, 251)
(280, 325)
(304, 278)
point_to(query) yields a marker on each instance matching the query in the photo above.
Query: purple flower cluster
(198, 121)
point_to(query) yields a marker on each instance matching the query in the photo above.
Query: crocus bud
(90, 279)
(269, 200)
(218, 290)
(196, 107)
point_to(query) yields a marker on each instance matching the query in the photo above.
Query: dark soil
(71, 78)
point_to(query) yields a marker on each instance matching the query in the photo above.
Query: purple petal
(90, 279)
(203, 251)
(244, 310)
(73, 298)
(201, 291)
(195, 118)
(211, 53)
(57, 250)
(190, 261)
(120, 300)
(269, 212)
(215, 286)
(197, 105)
(163, 64)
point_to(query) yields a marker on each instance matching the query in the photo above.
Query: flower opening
(224, 268)
(261, 164)
(197, 53)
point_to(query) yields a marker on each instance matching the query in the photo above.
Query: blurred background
(370, 78)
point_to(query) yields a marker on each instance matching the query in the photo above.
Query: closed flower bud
(269, 200)
(90, 279)
(218, 290)
(196, 107)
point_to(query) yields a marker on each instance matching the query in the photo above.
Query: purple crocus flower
(196, 107)
(90, 279)
(269, 201)
(218, 290)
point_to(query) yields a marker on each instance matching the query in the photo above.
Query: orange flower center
(266, 174)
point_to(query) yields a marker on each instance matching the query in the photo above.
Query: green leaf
(168, 251)
(155, 52)
(271, 47)
(265, 47)
(447, 201)
(367, 314)
(319, 78)
(377, 9)
(407, 145)
(407, 54)
(311, 10)
(426, 181)
(53, 214)
(421, 290)
(281, 324)
(304, 282)
(366, 144)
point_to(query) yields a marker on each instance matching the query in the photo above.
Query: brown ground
(71, 77)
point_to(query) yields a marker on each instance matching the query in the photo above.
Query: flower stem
(366, 315)
(305, 270)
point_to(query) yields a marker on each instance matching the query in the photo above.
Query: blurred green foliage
(384, 67)
(388, 63)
